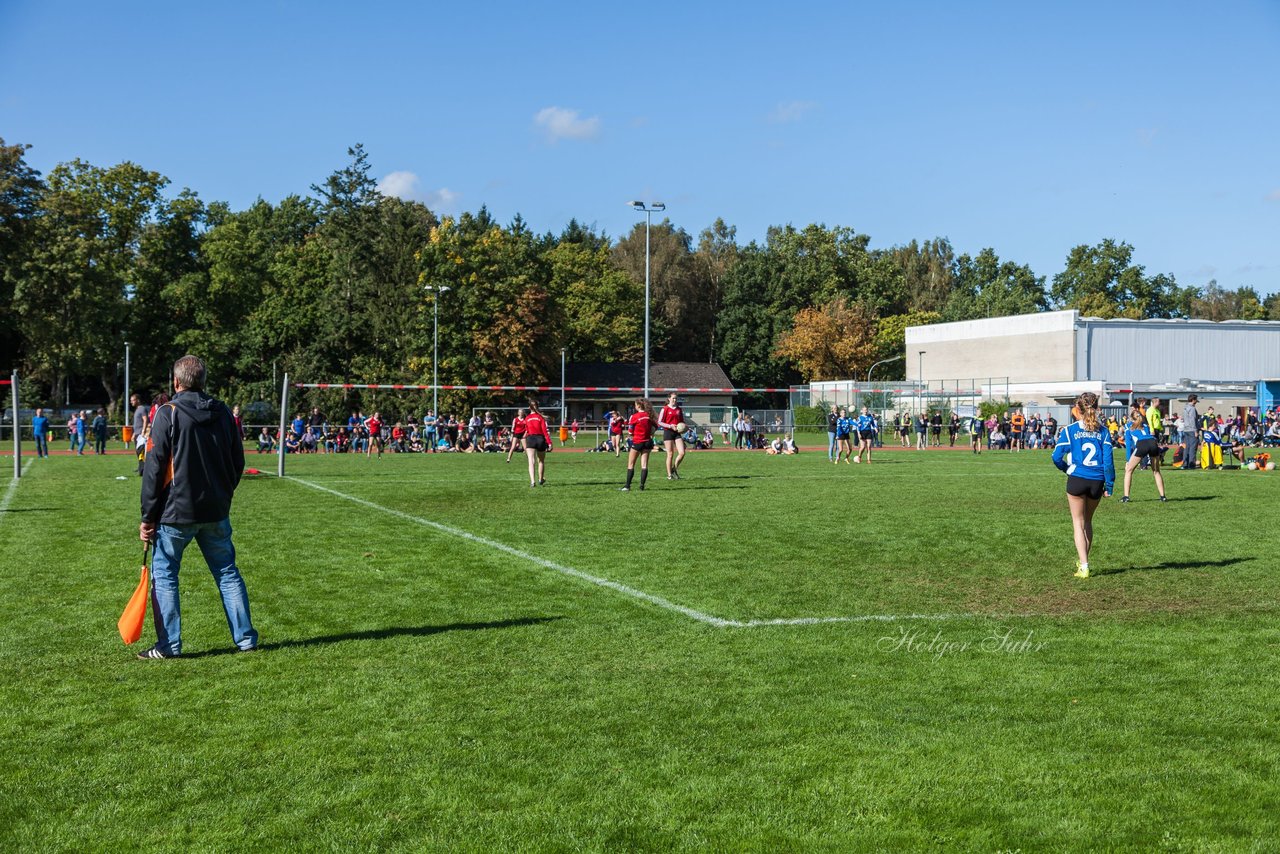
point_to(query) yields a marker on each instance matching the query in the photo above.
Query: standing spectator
(100, 432)
(140, 422)
(833, 418)
(935, 428)
(491, 428)
(194, 463)
(1190, 434)
(239, 421)
(953, 429)
(40, 428)
(1155, 420)
(922, 431)
(71, 432)
(316, 421)
(724, 432)
(82, 431)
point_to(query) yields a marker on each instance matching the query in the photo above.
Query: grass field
(771, 654)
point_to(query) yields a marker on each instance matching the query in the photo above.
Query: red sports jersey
(670, 417)
(641, 427)
(375, 427)
(615, 425)
(518, 426)
(536, 425)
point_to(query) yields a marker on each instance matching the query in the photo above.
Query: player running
(1140, 444)
(641, 425)
(671, 420)
(537, 438)
(517, 433)
(866, 426)
(1084, 452)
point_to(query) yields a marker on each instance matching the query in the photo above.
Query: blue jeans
(214, 539)
(1191, 441)
(831, 445)
(42, 445)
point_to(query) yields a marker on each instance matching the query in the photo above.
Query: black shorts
(669, 435)
(1146, 448)
(841, 437)
(1085, 488)
(646, 445)
(867, 435)
(535, 443)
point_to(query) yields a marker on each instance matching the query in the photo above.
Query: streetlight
(648, 223)
(564, 406)
(879, 363)
(437, 290)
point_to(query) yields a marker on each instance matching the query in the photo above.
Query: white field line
(617, 587)
(13, 487)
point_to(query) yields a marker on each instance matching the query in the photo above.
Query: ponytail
(1087, 411)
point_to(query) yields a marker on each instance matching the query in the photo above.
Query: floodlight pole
(284, 408)
(564, 407)
(648, 224)
(879, 363)
(920, 378)
(128, 415)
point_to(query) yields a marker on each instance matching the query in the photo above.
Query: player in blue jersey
(844, 428)
(1139, 445)
(866, 427)
(1084, 452)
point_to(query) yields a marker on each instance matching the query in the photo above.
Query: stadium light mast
(564, 406)
(648, 210)
(436, 290)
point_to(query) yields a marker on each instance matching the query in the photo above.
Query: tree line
(340, 285)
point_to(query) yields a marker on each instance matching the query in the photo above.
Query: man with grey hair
(195, 457)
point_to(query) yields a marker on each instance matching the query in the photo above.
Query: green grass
(421, 691)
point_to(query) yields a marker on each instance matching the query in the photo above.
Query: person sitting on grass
(266, 444)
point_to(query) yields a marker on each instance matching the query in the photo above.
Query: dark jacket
(194, 461)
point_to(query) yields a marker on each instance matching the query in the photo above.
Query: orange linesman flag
(135, 613)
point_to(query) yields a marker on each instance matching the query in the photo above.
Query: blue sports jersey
(1133, 436)
(844, 425)
(1086, 454)
(866, 422)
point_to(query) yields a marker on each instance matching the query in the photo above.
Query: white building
(1050, 357)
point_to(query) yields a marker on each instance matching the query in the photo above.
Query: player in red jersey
(642, 424)
(374, 426)
(671, 420)
(537, 439)
(517, 433)
(615, 432)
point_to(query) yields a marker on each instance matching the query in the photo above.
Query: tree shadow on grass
(1194, 498)
(1179, 564)
(384, 634)
(30, 510)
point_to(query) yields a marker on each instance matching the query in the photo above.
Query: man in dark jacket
(193, 465)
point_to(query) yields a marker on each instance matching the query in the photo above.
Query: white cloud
(559, 123)
(402, 185)
(1273, 196)
(791, 111)
(407, 186)
(442, 199)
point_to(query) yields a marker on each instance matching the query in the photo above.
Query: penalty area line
(618, 587)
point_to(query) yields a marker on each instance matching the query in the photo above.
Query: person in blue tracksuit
(1140, 444)
(867, 432)
(1084, 452)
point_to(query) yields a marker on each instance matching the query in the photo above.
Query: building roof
(661, 375)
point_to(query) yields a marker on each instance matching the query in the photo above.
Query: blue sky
(1029, 128)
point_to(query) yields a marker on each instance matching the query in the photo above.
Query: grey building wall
(1166, 351)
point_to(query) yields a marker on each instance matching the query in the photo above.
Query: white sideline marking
(514, 552)
(622, 588)
(13, 487)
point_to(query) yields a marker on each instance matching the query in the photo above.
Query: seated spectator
(464, 445)
(997, 440)
(398, 439)
(789, 445)
(1272, 438)
(774, 448)
(292, 444)
(342, 442)
(308, 441)
(266, 442)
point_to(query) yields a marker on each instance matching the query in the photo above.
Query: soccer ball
(1253, 466)
(1271, 466)
(681, 427)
